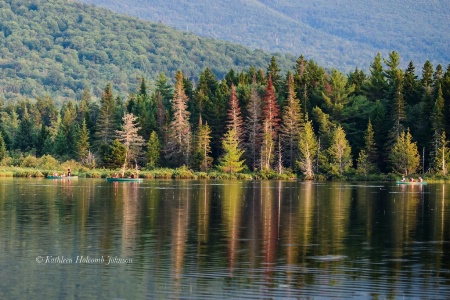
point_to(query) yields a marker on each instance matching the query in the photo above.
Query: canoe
(412, 182)
(111, 179)
(62, 177)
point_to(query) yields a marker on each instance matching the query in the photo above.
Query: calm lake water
(87, 238)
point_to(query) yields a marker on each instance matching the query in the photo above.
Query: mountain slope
(61, 47)
(340, 34)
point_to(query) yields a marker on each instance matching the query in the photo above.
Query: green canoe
(62, 177)
(412, 182)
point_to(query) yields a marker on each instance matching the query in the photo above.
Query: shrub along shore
(185, 173)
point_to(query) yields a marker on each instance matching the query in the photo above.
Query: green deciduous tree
(404, 155)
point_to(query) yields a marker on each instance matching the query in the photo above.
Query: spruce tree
(83, 143)
(336, 96)
(131, 139)
(270, 126)
(178, 144)
(231, 161)
(376, 85)
(308, 147)
(202, 151)
(291, 124)
(253, 126)
(3, 152)
(370, 145)
(153, 151)
(441, 158)
(106, 123)
(234, 117)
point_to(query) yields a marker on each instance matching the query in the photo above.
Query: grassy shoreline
(185, 173)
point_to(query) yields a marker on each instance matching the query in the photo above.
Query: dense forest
(339, 34)
(59, 48)
(315, 123)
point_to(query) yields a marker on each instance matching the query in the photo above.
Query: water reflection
(231, 239)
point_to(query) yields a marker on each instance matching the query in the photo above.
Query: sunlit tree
(404, 155)
(231, 161)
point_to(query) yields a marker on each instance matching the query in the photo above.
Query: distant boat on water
(61, 177)
(413, 182)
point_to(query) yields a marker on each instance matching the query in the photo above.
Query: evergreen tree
(83, 143)
(291, 125)
(370, 146)
(113, 155)
(61, 147)
(106, 124)
(165, 90)
(153, 151)
(404, 155)
(339, 153)
(131, 139)
(42, 141)
(357, 79)
(253, 126)
(267, 147)
(363, 166)
(231, 161)
(202, 152)
(336, 95)
(438, 115)
(427, 77)
(24, 139)
(273, 72)
(398, 112)
(411, 86)
(178, 145)
(376, 85)
(270, 128)
(308, 147)
(442, 156)
(234, 118)
(3, 152)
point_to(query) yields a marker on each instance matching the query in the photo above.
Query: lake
(185, 239)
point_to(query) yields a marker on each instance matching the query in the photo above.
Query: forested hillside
(61, 47)
(339, 34)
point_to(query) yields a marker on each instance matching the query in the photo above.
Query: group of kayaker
(411, 179)
(69, 173)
